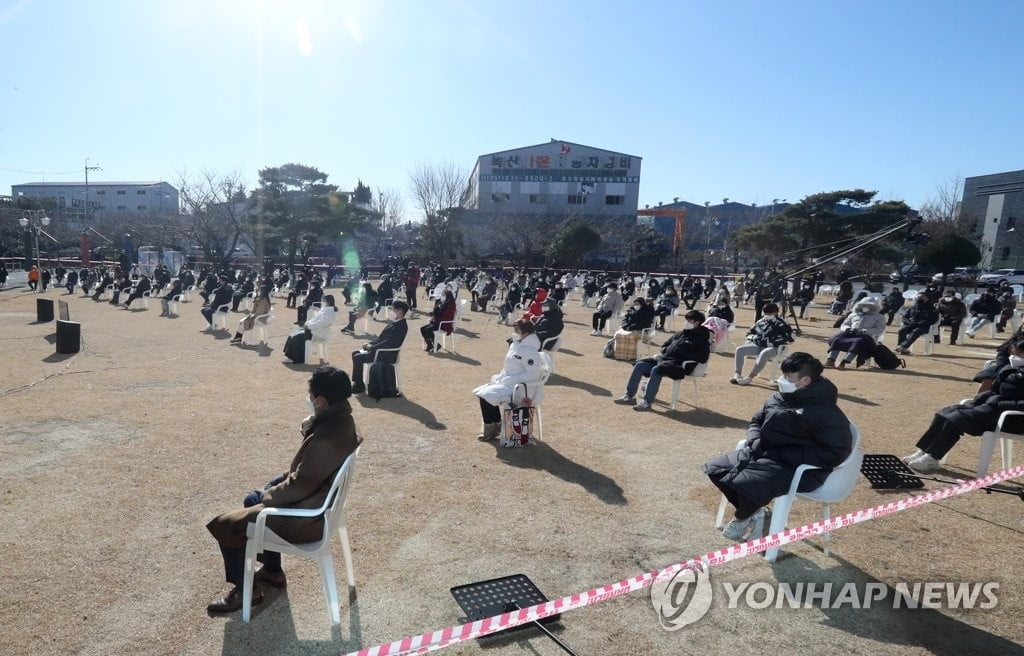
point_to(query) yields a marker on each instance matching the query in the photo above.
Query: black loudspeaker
(44, 309)
(69, 336)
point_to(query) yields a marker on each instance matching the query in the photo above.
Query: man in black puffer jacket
(679, 356)
(976, 416)
(917, 321)
(799, 425)
(550, 324)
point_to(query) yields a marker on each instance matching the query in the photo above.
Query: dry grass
(114, 459)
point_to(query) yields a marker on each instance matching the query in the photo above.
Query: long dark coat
(981, 413)
(329, 440)
(805, 427)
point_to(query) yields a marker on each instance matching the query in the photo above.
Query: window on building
(577, 199)
(140, 192)
(120, 192)
(141, 207)
(538, 199)
(122, 207)
(1006, 252)
(101, 192)
(614, 200)
(501, 197)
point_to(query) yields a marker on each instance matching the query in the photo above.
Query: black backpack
(886, 359)
(383, 383)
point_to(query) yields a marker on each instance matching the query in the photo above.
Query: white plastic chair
(220, 317)
(698, 372)
(776, 362)
(174, 304)
(261, 538)
(556, 343)
(108, 293)
(441, 335)
(825, 290)
(186, 296)
(460, 309)
(837, 486)
(397, 351)
(258, 333)
(1006, 440)
(319, 346)
(929, 339)
(647, 335)
(522, 389)
(246, 304)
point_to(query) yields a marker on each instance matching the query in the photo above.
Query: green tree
(362, 194)
(295, 207)
(943, 254)
(572, 243)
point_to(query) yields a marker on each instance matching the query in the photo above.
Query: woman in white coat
(523, 366)
(319, 325)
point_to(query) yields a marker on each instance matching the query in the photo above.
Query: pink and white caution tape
(435, 640)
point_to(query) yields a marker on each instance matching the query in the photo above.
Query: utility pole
(87, 169)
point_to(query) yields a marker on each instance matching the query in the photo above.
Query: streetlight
(37, 223)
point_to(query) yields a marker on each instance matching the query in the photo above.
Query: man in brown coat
(329, 438)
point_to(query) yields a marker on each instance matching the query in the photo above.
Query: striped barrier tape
(428, 642)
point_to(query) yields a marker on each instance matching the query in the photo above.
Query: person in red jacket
(412, 282)
(536, 309)
(442, 320)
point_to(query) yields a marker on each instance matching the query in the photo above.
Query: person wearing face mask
(983, 311)
(892, 304)
(679, 356)
(917, 321)
(952, 312)
(763, 341)
(857, 335)
(610, 305)
(803, 298)
(393, 336)
(523, 367)
(1009, 307)
(260, 308)
(723, 311)
(976, 416)
(638, 319)
(799, 425)
(442, 319)
(329, 438)
(666, 305)
(317, 327)
(550, 324)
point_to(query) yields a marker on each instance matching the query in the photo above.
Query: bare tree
(218, 208)
(387, 204)
(441, 192)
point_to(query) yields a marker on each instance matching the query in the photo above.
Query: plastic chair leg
(250, 559)
(988, 447)
(780, 515)
(346, 552)
(330, 587)
(1007, 449)
(720, 517)
(826, 515)
(675, 394)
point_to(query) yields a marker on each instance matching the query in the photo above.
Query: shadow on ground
(272, 629)
(928, 630)
(401, 405)
(449, 355)
(543, 457)
(562, 381)
(696, 416)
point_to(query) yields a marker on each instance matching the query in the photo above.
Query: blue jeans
(643, 369)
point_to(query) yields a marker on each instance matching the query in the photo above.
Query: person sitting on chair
(611, 303)
(667, 303)
(763, 341)
(391, 337)
(976, 416)
(550, 323)
(300, 287)
(857, 335)
(142, 286)
(221, 296)
(679, 356)
(367, 299)
(983, 311)
(328, 439)
(952, 312)
(523, 366)
(315, 295)
(917, 321)
(260, 307)
(441, 320)
(892, 304)
(246, 288)
(723, 311)
(489, 290)
(512, 299)
(165, 300)
(799, 425)
(1009, 304)
(385, 293)
(636, 320)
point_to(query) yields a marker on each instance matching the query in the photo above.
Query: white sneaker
(737, 529)
(925, 464)
(741, 381)
(913, 456)
(595, 333)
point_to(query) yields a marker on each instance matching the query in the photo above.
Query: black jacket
(550, 324)
(393, 336)
(805, 427)
(767, 333)
(723, 313)
(638, 319)
(921, 316)
(692, 345)
(986, 307)
(315, 295)
(222, 296)
(981, 413)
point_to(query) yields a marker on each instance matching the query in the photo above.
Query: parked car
(995, 278)
(963, 275)
(905, 271)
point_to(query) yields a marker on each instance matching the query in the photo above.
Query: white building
(105, 197)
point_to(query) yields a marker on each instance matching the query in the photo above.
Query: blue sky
(745, 100)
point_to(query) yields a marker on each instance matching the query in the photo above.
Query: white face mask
(310, 405)
(516, 337)
(1017, 361)
(786, 386)
(689, 325)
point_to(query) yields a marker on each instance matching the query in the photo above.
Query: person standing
(412, 282)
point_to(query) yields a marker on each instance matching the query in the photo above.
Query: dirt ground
(114, 459)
